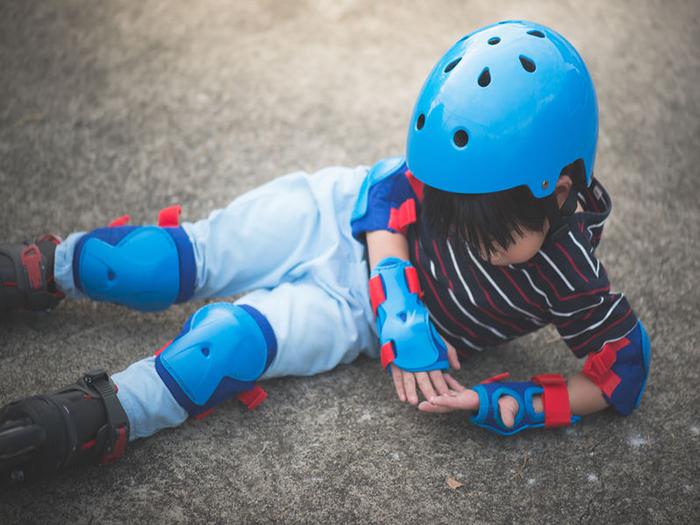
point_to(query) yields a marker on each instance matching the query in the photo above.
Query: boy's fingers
(508, 408)
(439, 382)
(409, 384)
(452, 356)
(398, 383)
(454, 384)
(427, 406)
(426, 387)
(467, 400)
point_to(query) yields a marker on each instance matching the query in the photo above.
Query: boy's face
(529, 242)
(524, 248)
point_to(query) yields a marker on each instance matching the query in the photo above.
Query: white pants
(288, 241)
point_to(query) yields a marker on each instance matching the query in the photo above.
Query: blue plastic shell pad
(220, 352)
(403, 319)
(146, 268)
(380, 171)
(489, 417)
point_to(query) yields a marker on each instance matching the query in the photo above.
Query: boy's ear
(562, 189)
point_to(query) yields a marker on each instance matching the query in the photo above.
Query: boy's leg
(313, 331)
(299, 328)
(267, 236)
(220, 353)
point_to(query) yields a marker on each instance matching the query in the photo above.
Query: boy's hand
(431, 384)
(460, 398)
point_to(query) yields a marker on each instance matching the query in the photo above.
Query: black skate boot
(26, 276)
(81, 424)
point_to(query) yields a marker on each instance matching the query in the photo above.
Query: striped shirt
(475, 305)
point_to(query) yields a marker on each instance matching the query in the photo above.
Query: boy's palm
(430, 384)
(460, 398)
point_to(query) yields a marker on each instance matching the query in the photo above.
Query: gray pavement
(112, 107)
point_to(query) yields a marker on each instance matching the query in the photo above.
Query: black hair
(485, 221)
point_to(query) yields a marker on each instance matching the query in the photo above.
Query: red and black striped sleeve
(586, 312)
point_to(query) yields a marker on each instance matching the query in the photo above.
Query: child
(484, 232)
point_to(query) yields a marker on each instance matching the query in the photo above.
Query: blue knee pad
(147, 268)
(220, 352)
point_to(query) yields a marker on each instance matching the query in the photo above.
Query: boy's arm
(411, 349)
(383, 244)
(615, 375)
(598, 325)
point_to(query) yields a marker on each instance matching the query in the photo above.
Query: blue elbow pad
(388, 199)
(222, 350)
(621, 368)
(146, 268)
(381, 170)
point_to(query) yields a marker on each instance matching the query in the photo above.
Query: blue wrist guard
(555, 400)
(407, 336)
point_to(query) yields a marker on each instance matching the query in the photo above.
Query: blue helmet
(510, 104)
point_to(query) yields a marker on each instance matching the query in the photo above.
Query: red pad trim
(119, 221)
(598, 366)
(118, 450)
(252, 398)
(88, 444)
(412, 280)
(496, 378)
(31, 260)
(555, 400)
(405, 215)
(160, 350)
(376, 292)
(416, 185)
(204, 414)
(170, 216)
(51, 238)
(387, 354)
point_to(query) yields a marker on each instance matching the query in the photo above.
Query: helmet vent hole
(536, 32)
(527, 63)
(494, 40)
(484, 78)
(449, 67)
(420, 122)
(460, 138)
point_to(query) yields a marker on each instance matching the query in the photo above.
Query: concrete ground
(112, 107)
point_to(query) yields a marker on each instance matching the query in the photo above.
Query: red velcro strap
(88, 444)
(412, 280)
(400, 219)
(51, 238)
(416, 185)
(252, 398)
(204, 414)
(555, 400)
(376, 292)
(118, 450)
(494, 379)
(119, 221)
(169, 216)
(31, 260)
(598, 366)
(387, 354)
(160, 350)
